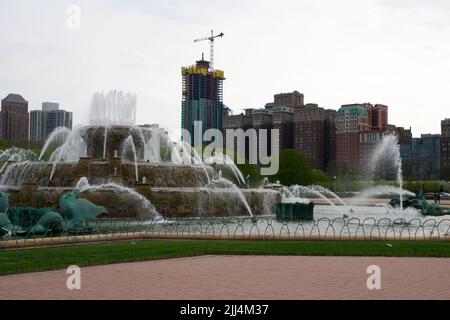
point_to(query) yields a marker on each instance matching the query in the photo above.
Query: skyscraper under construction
(202, 98)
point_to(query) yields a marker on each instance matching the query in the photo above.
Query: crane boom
(211, 44)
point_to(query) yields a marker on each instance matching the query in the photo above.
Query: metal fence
(116, 239)
(242, 228)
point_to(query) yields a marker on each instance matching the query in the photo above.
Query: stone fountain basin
(67, 174)
(169, 202)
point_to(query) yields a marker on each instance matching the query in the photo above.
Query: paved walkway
(242, 277)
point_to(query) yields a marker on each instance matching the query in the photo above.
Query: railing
(255, 228)
(115, 240)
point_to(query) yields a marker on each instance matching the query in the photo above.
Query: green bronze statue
(74, 208)
(76, 213)
(4, 201)
(420, 203)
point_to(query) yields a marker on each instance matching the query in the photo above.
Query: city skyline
(392, 53)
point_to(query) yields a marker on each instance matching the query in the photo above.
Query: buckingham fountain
(114, 170)
(132, 171)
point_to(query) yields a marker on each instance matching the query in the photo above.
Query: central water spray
(113, 108)
(387, 153)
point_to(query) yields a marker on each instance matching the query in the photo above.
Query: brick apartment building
(293, 99)
(14, 119)
(283, 121)
(278, 114)
(445, 149)
(242, 121)
(359, 129)
(314, 134)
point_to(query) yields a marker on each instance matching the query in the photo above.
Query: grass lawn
(58, 257)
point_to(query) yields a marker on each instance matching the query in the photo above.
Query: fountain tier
(169, 202)
(112, 168)
(126, 168)
(113, 144)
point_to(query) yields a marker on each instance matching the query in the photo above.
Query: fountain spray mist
(386, 153)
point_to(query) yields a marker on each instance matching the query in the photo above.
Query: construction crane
(211, 44)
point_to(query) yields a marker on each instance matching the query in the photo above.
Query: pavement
(242, 277)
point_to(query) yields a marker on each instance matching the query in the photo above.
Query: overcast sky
(395, 52)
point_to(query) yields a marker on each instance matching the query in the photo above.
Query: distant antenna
(211, 44)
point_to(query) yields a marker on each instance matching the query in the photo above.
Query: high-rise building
(445, 149)
(57, 118)
(242, 121)
(238, 121)
(330, 137)
(50, 106)
(351, 120)
(267, 118)
(293, 100)
(378, 116)
(405, 142)
(283, 121)
(37, 125)
(404, 135)
(426, 157)
(360, 127)
(44, 122)
(314, 134)
(202, 98)
(263, 120)
(377, 128)
(14, 118)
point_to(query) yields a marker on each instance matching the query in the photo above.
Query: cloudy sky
(395, 52)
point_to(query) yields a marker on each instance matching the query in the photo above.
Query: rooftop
(14, 97)
(353, 108)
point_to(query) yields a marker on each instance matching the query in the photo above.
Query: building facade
(239, 121)
(405, 141)
(359, 129)
(426, 157)
(445, 149)
(351, 120)
(294, 99)
(50, 106)
(330, 138)
(404, 135)
(44, 122)
(283, 121)
(14, 119)
(374, 132)
(315, 134)
(202, 98)
(242, 121)
(37, 125)
(262, 121)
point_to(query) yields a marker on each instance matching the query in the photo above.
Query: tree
(294, 169)
(253, 172)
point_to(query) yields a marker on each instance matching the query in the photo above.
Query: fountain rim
(123, 126)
